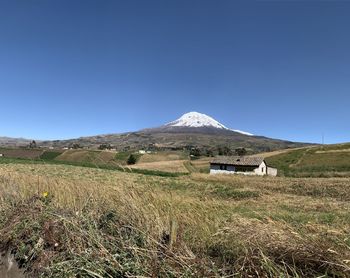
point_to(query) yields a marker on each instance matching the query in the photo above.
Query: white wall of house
(272, 171)
(214, 172)
(262, 170)
(215, 169)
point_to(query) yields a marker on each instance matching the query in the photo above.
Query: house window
(223, 167)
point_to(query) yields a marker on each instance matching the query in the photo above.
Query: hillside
(13, 142)
(187, 138)
(313, 161)
(191, 130)
(319, 161)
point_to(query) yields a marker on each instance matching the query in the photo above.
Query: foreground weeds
(48, 242)
(62, 221)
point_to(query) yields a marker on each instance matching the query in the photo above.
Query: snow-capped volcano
(195, 119)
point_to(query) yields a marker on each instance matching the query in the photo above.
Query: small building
(244, 165)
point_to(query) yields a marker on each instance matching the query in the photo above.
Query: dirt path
(300, 159)
(273, 153)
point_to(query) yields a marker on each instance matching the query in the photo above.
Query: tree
(240, 151)
(104, 147)
(32, 145)
(195, 152)
(132, 159)
(224, 150)
(76, 146)
(209, 152)
(227, 150)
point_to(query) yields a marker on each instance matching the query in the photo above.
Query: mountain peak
(195, 119)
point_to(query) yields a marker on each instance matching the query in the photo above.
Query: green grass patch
(50, 155)
(122, 157)
(323, 161)
(284, 161)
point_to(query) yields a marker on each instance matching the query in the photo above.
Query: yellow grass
(246, 225)
(174, 166)
(98, 157)
(162, 156)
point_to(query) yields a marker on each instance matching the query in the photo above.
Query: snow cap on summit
(195, 119)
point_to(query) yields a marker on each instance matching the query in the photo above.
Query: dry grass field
(89, 156)
(163, 156)
(68, 221)
(21, 153)
(176, 166)
(200, 165)
(172, 166)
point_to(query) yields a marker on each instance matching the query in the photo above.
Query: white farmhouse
(245, 165)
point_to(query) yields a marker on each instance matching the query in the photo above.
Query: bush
(195, 152)
(240, 151)
(132, 159)
(105, 147)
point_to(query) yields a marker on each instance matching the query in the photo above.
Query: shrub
(132, 159)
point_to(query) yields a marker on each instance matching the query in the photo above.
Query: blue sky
(274, 68)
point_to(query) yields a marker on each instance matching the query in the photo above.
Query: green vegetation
(322, 161)
(317, 161)
(284, 161)
(68, 221)
(122, 156)
(50, 155)
(132, 159)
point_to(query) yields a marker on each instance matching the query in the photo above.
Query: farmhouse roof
(238, 160)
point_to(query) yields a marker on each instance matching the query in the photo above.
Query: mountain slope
(191, 130)
(195, 119)
(199, 120)
(13, 142)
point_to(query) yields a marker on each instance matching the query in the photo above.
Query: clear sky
(274, 68)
